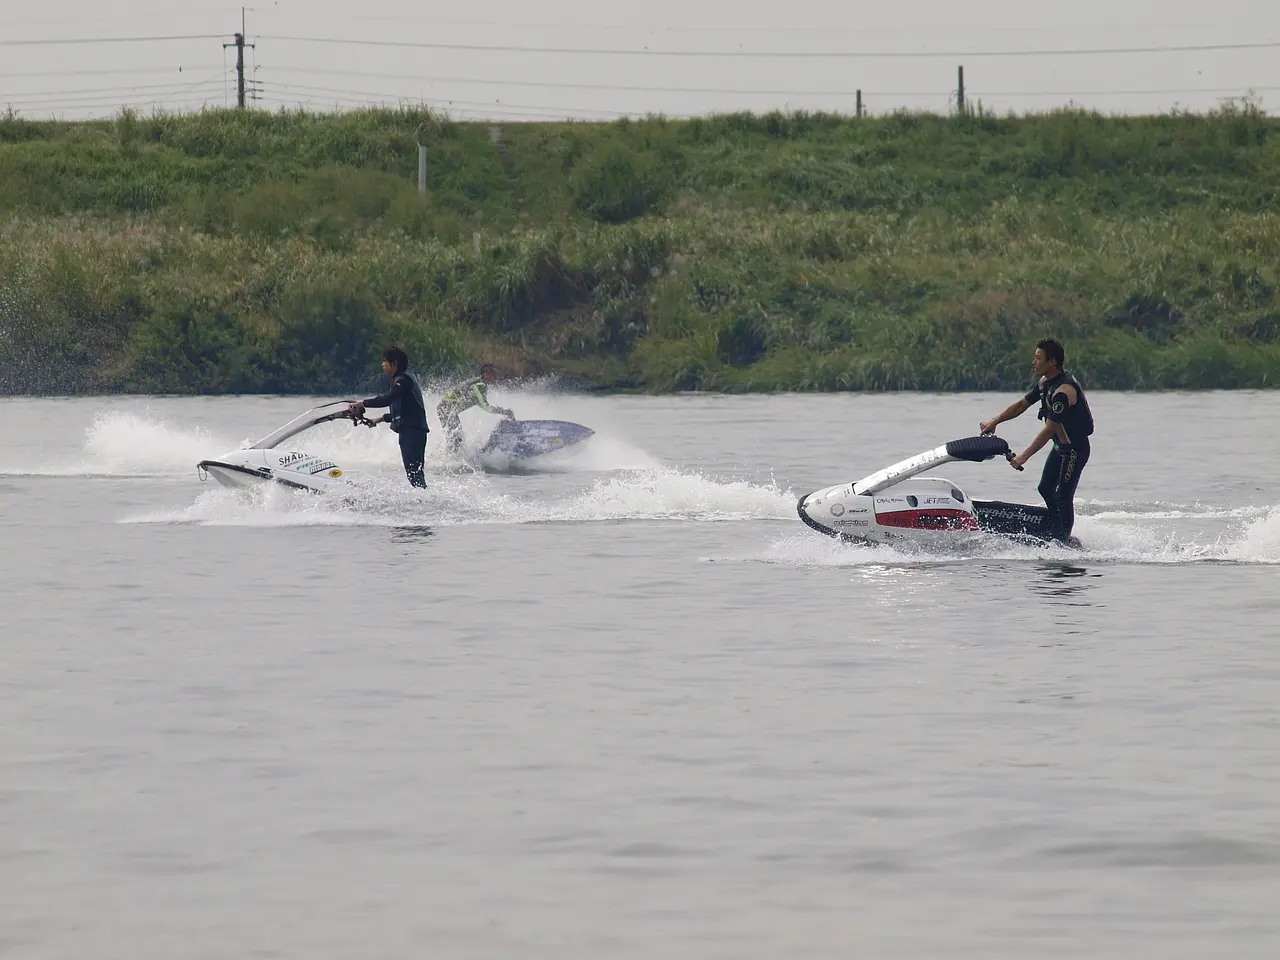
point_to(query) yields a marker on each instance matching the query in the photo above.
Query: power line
(790, 54)
(78, 40)
(112, 105)
(437, 100)
(309, 93)
(568, 86)
(88, 73)
(79, 103)
(365, 97)
(138, 87)
(150, 96)
(721, 29)
(117, 17)
(578, 86)
(492, 112)
(1111, 93)
(742, 91)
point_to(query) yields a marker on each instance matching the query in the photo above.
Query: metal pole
(240, 45)
(960, 92)
(240, 69)
(422, 169)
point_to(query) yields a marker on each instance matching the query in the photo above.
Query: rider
(408, 415)
(1068, 422)
(464, 396)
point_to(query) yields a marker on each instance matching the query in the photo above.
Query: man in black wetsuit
(408, 415)
(1068, 422)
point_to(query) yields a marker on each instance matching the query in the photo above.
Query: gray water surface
(635, 709)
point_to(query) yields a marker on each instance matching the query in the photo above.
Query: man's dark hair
(397, 358)
(488, 368)
(1053, 352)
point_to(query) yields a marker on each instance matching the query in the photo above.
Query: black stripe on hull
(1017, 520)
(261, 473)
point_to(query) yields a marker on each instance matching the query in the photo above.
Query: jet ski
(520, 443)
(529, 444)
(261, 463)
(896, 505)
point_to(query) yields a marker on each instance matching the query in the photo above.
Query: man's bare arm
(1015, 409)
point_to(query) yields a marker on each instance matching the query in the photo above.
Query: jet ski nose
(803, 507)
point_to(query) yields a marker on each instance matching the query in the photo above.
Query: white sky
(96, 78)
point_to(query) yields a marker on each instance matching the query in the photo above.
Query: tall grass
(240, 251)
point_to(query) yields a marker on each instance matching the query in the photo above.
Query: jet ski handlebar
(1009, 456)
(980, 448)
(356, 418)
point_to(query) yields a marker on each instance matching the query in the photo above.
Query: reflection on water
(411, 533)
(1062, 583)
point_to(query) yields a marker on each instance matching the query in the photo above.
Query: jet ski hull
(250, 469)
(262, 464)
(234, 475)
(533, 443)
(922, 510)
(864, 520)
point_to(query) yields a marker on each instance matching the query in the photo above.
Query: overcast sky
(915, 50)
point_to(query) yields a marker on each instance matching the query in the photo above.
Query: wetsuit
(1064, 463)
(460, 397)
(409, 420)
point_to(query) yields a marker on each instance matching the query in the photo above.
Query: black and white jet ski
(261, 463)
(895, 505)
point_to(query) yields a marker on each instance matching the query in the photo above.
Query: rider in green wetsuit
(464, 396)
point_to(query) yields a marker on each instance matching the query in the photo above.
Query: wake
(1111, 535)
(653, 494)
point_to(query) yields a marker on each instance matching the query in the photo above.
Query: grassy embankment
(245, 251)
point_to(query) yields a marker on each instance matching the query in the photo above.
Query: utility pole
(422, 159)
(960, 92)
(859, 103)
(239, 44)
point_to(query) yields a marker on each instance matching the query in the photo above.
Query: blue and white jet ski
(533, 444)
(896, 505)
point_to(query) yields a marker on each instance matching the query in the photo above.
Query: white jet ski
(262, 463)
(895, 505)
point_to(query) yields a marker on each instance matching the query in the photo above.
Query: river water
(635, 708)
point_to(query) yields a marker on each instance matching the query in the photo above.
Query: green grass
(236, 251)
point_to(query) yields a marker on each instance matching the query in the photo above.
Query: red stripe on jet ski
(929, 519)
